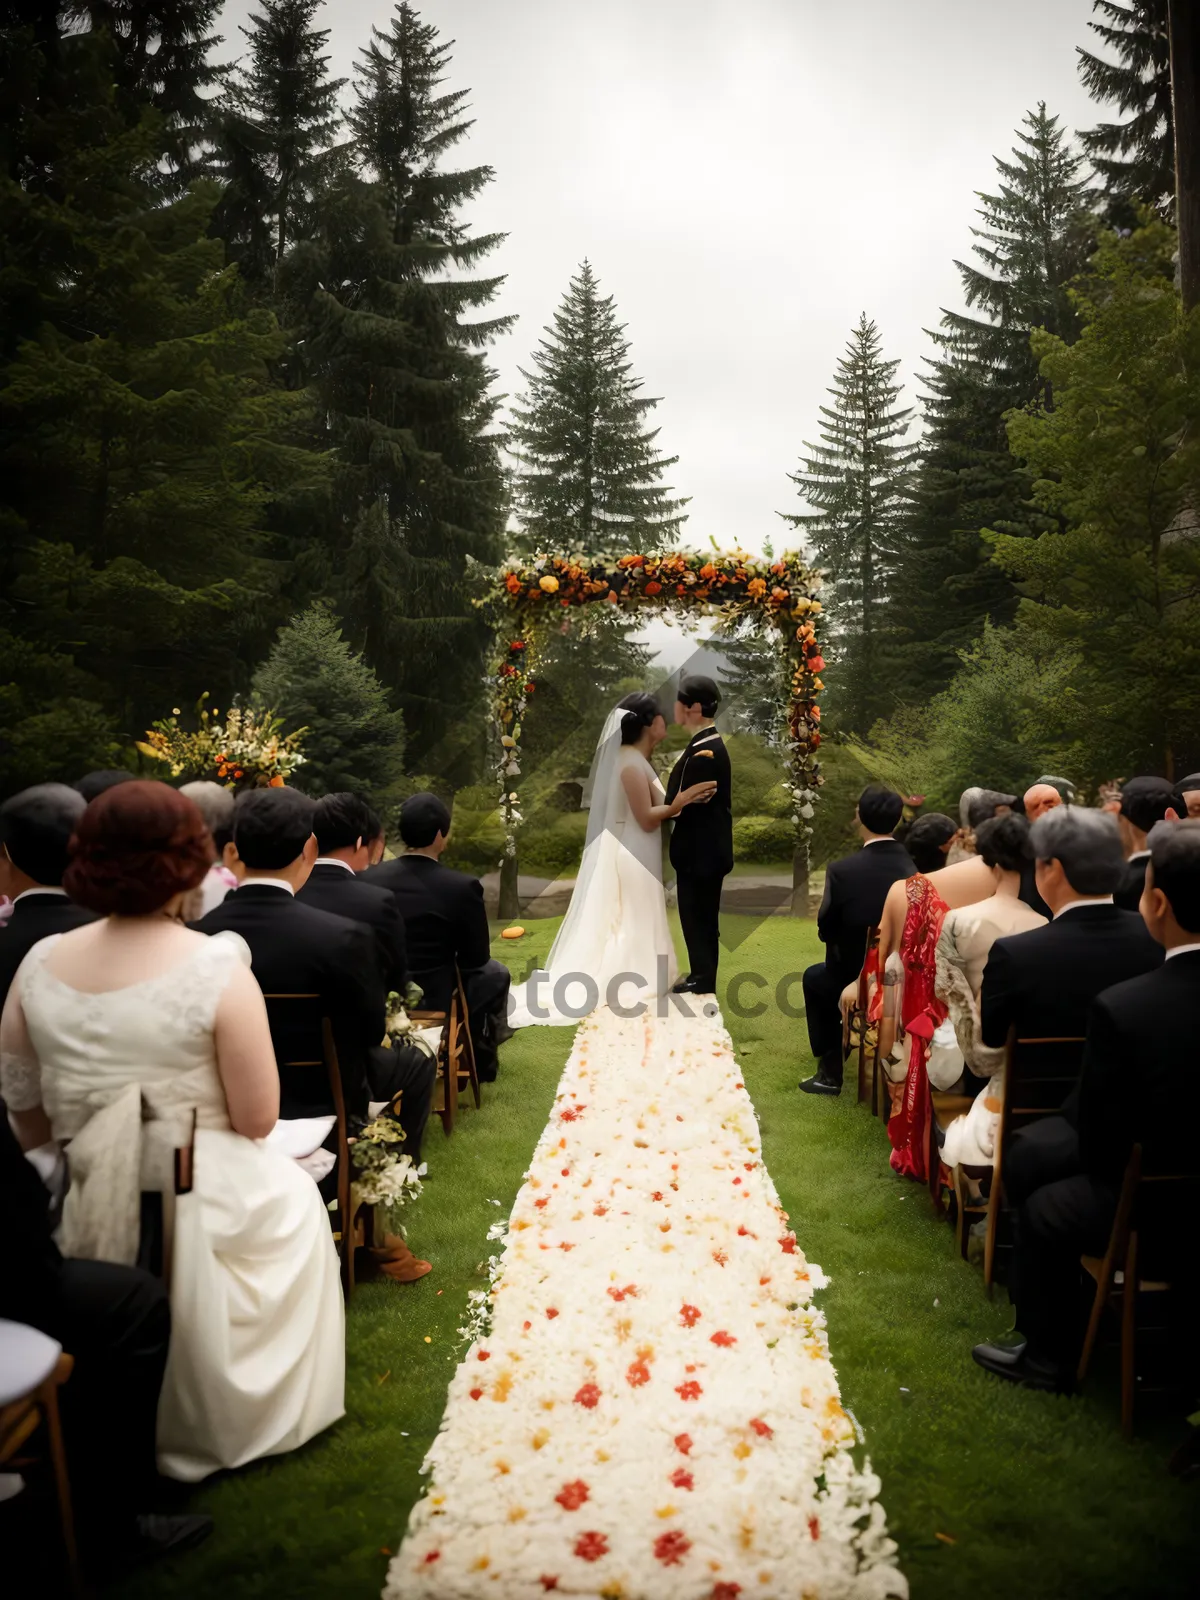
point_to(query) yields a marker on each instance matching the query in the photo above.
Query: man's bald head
(1039, 799)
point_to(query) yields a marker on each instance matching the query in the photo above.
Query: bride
(614, 947)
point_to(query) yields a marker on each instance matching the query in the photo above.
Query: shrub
(763, 839)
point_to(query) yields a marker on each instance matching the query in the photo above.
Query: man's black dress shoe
(1027, 1372)
(690, 985)
(153, 1538)
(819, 1085)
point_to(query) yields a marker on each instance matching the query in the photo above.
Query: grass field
(991, 1493)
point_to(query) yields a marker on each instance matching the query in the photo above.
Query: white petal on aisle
(653, 1414)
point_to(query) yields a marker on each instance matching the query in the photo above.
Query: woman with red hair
(134, 1036)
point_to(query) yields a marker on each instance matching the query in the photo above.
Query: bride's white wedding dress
(257, 1356)
(614, 947)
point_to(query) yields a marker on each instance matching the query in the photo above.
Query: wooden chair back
(868, 1053)
(345, 1228)
(20, 1420)
(1155, 1209)
(456, 1067)
(1039, 1074)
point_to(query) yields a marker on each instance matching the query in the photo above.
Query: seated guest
(115, 1323)
(1134, 1089)
(96, 783)
(134, 1035)
(1039, 798)
(446, 925)
(1187, 792)
(1043, 982)
(855, 890)
(35, 830)
(344, 826)
(968, 934)
(297, 949)
(1144, 801)
(975, 807)
(215, 804)
(929, 839)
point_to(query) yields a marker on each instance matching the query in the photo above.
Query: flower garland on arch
(777, 596)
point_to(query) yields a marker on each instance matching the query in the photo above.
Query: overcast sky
(746, 176)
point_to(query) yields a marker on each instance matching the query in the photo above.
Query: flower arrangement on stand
(247, 749)
(778, 595)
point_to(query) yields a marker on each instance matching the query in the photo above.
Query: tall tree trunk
(510, 902)
(800, 872)
(1183, 25)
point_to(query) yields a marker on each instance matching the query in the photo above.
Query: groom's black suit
(702, 850)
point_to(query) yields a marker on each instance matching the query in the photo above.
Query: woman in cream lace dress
(118, 1040)
(967, 936)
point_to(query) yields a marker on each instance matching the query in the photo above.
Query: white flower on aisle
(651, 1412)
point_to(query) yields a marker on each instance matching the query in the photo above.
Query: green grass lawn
(1033, 1496)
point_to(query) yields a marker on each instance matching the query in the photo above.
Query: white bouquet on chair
(384, 1175)
(400, 1028)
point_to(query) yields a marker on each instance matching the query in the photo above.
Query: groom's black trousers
(699, 899)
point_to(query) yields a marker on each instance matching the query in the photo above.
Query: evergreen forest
(253, 446)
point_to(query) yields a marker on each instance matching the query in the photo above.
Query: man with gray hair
(1042, 983)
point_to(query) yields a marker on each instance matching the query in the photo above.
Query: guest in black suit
(1136, 1086)
(344, 827)
(446, 925)
(702, 835)
(1144, 801)
(855, 889)
(35, 830)
(116, 1322)
(297, 949)
(1043, 982)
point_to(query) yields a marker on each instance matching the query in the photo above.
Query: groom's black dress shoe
(690, 985)
(1027, 1371)
(819, 1085)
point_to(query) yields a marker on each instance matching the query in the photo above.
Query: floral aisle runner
(653, 1412)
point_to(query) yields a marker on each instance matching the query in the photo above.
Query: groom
(702, 838)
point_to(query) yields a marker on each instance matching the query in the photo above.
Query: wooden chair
(455, 1052)
(944, 1107)
(349, 1230)
(1039, 1073)
(1146, 1201)
(45, 1366)
(856, 1018)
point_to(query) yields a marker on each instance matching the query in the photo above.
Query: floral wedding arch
(776, 598)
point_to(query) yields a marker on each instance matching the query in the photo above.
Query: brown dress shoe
(393, 1259)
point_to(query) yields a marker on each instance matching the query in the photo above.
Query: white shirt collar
(1183, 950)
(1092, 900)
(888, 840)
(334, 861)
(48, 888)
(266, 883)
(1138, 855)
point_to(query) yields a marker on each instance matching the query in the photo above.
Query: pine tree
(161, 57)
(142, 437)
(402, 376)
(314, 680)
(1033, 240)
(855, 480)
(1135, 158)
(590, 478)
(279, 122)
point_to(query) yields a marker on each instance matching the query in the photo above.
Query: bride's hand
(698, 791)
